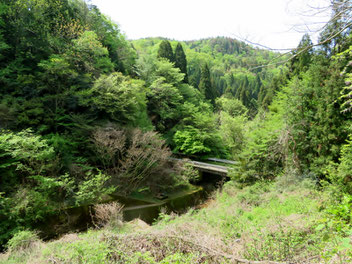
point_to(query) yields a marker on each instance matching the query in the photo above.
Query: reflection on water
(79, 218)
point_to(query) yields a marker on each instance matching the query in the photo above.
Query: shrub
(232, 132)
(189, 172)
(266, 145)
(87, 249)
(22, 240)
(93, 188)
(27, 166)
(108, 214)
(192, 141)
(198, 132)
(25, 153)
(345, 168)
(134, 158)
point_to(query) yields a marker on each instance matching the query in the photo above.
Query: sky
(271, 23)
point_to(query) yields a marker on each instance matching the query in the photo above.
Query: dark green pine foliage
(258, 85)
(238, 92)
(181, 61)
(338, 27)
(267, 92)
(244, 97)
(302, 56)
(3, 45)
(242, 92)
(165, 51)
(205, 85)
(317, 124)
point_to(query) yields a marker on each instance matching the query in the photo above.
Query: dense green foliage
(84, 113)
(67, 73)
(231, 65)
(31, 187)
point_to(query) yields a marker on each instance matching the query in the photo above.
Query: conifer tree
(257, 88)
(205, 85)
(261, 95)
(165, 51)
(181, 61)
(244, 97)
(238, 92)
(303, 56)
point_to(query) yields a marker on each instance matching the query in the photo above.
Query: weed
(22, 240)
(109, 214)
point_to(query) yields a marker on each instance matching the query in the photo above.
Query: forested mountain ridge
(233, 66)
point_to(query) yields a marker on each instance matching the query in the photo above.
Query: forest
(87, 115)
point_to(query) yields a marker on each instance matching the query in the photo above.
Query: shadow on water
(178, 203)
(147, 209)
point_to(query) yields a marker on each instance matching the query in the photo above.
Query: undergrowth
(263, 222)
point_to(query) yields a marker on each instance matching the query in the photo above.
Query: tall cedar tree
(302, 56)
(165, 51)
(205, 85)
(181, 61)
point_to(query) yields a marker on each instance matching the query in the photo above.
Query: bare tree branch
(345, 13)
(301, 50)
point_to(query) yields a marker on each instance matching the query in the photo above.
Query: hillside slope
(235, 66)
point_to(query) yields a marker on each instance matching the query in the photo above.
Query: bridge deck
(223, 161)
(211, 168)
(207, 167)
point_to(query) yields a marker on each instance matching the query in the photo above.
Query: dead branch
(211, 252)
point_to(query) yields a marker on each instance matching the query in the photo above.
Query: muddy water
(178, 203)
(148, 209)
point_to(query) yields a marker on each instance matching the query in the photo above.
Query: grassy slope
(262, 222)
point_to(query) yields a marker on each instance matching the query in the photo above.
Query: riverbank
(144, 206)
(267, 221)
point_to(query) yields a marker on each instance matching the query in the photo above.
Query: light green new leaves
(191, 141)
(30, 154)
(93, 188)
(121, 97)
(89, 55)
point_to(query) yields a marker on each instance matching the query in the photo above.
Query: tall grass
(264, 222)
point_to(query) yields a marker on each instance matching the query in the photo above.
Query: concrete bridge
(209, 168)
(203, 166)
